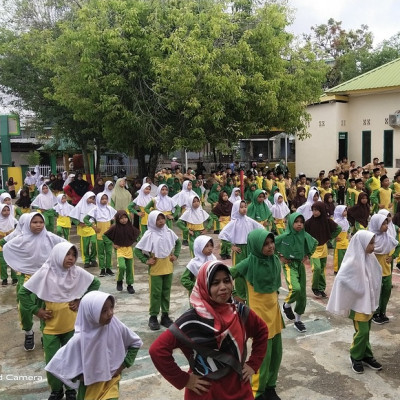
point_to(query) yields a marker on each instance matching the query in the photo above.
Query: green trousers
(268, 373)
(386, 291)
(51, 344)
(63, 232)
(3, 265)
(338, 256)
(25, 317)
(160, 293)
(191, 241)
(361, 348)
(226, 248)
(49, 219)
(88, 248)
(125, 268)
(295, 275)
(240, 282)
(104, 252)
(318, 267)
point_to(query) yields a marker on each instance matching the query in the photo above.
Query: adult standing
(77, 188)
(120, 196)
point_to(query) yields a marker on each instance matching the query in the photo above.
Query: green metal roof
(384, 77)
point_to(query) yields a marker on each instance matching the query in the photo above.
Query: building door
(366, 147)
(342, 145)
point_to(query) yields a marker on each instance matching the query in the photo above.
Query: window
(388, 148)
(366, 147)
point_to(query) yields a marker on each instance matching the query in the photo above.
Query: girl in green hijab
(249, 192)
(259, 211)
(294, 246)
(213, 196)
(262, 272)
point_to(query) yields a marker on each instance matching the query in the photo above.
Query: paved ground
(315, 364)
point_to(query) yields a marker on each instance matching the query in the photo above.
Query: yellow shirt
(103, 390)
(195, 227)
(386, 267)
(282, 189)
(163, 266)
(342, 241)
(356, 316)
(125, 252)
(259, 180)
(85, 231)
(3, 235)
(223, 221)
(334, 180)
(103, 226)
(64, 222)
(321, 251)
(385, 197)
(63, 320)
(375, 184)
(322, 192)
(143, 220)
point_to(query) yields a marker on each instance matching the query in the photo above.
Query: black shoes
(288, 312)
(166, 320)
(57, 395)
(102, 273)
(317, 293)
(14, 282)
(109, 272)
(299, 326)
(130, 289)
(119, 286)
(70, 394)
(185, 243)
(86, 265)
(380, 319)
(29, 343)
(357, 366)
(153, 323)
(269, 394)
(93, 264)
(372, 363)
(323, 294)
(4, 282)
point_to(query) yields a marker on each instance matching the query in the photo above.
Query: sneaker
(269, 394)
(119, 286)
(14, 282)
(130, 289)
(56, 395)
(86, 265)
(288, 312)
(216, 232)
(323, 294)
(166, 320)
(94, 263)
(384, 318)
(29, 343)
(153, 323)
(4, 282)
(109, 272)
(102, 273)
(185, 243)
(317, 293)
(398, 265)
(372, 363)
(377, 319)
(298, 325)
(357, 366)
(70, 394)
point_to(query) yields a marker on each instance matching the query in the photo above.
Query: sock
(286, 305)
(29, 332)
(298, 317)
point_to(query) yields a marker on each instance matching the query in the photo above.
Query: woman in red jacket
(212, 335)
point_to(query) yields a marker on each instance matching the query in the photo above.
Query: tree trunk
(140, 155)
(86, 163)
(153, 162)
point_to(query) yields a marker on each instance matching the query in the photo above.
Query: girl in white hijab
(203, 247)
(44, 202)
(26, 253)
(341, 240)
(63, 210)
(387, 249)
(100, 349)
(235, 195)
(108, 188)
(141, 201)
(305, 209)
(355, 294)
(59, 285)
(280, 211)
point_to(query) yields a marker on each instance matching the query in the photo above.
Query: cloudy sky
(382, 17)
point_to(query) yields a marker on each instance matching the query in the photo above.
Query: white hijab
(18, 229)
(305, 209)
(7, 223)
(4, 196)
(63, 209)
(69, 180)
(52, 282)
(143, 199)
(357, 285)
(239, 227)
(384, 242)
(95, 350)
(27, 252)
(183, 197)
(194, 215)
(102, 213)
(391, 229)
(107, 191)
(160, 242)
(164, 203)
(29, 179)
(279, 210)
(235, 197)
(340, 219)
(40, 181)
(83, 207)
(199, 258)
(44, 201)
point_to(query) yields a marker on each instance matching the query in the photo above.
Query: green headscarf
(248, 193)
(196, 189)
(228, 186)
(262, 272)
(258, 211)
(295, 245)
(214, 194)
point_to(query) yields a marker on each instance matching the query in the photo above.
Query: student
(108, 189)
(323, 229)
(159, 248)
(279, 211)
(203, 247)
(341, 194)
(7, 225)
(299, 199)
(194, 222)
(162, 202)
(359, 214)
(259, 211)
(214, 322)
(26, 253)
(100, 218)
(24, 201)
(281, 184)
(262, 271)
(329, 205)
(236, 232)
(98, 186)
(235, 195)
(305, 209)
(355, 294)
(5, 198)
(294, 246)
(269, 181)
(213, 196)
(44, 203)
(30, 181)
(374, 183)
(110, 347)
(86, 233)
(382, 198)
(58, 286)
(221, 214)
(57, 185)
(63, 211)
(303, 183)
(10, 184)
(351, 193)
(123, 234)
(342, 240)
(120, 196)
(386, 249)
(141, 201)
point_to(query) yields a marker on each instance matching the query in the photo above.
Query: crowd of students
(274, 225)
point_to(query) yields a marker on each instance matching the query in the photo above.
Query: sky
(381, 16)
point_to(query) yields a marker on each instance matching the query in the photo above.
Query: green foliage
(33, 158)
